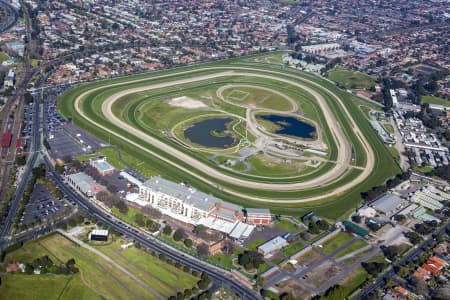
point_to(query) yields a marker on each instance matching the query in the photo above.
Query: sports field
(148, 117)
(97, 278)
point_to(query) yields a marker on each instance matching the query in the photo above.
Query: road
(221, 277)
(344, 153)
(379, 283)
(35, 140)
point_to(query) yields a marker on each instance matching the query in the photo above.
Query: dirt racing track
(343, 162)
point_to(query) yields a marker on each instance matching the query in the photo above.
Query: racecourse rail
(344, 147)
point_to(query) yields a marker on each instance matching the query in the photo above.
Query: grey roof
(273, 244)
(261, 211)
(82, 181)
(387, 203)
(189, 195)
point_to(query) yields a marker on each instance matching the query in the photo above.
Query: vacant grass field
(434, 100)
(238, 95)
(286, 225)
(355, 246)
(293, 248)
(97, 278)
(335, 242)
(350, 79)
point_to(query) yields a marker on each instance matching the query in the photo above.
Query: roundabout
(252, 133)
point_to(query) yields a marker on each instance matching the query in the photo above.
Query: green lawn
(253, 245)
(335, 242)
(293, 248)
(434, 100)
(3, 57)
(355, 246)
(222, 260)
(423, 170)
(286, 225)
(128, 217)
(97, 278)
(350, 79)
(389, 128)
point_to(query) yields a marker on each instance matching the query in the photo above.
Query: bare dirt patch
(186, 102)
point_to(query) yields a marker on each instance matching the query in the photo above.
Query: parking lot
(43, 205)
(64, 138)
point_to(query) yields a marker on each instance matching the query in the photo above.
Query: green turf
(97, 278)
(434, 100)
(332, 207)
(258, 98)
(293, 248)
(335, 242)
(253, 245)
(350, 79)
(355, 246)
(286, 225)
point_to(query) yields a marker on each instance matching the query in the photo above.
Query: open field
(434, 100)
(93, 107)
(97, 278)
(350, 79)
(335, 242)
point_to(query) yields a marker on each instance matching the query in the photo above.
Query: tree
(420, 286)
(323, 225)
(312, 228)
(139, 219)
(391, 252)
(287, 296)
(188, 243)
(356, 218)
(167, 230)
(123, 208)
(373, 268)
(178, 235)
(21, 160)
(203, 250)
(413, 237)
(250, 259)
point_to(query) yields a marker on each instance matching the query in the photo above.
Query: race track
(343, 160)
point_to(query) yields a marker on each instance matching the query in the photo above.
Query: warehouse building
(85, 184)
(98, 235)
(388, 204)
(273, 245)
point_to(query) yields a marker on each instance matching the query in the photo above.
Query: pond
(211, 133)
(290, 126)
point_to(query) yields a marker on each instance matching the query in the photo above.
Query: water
(291, 126)
(201, 133)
